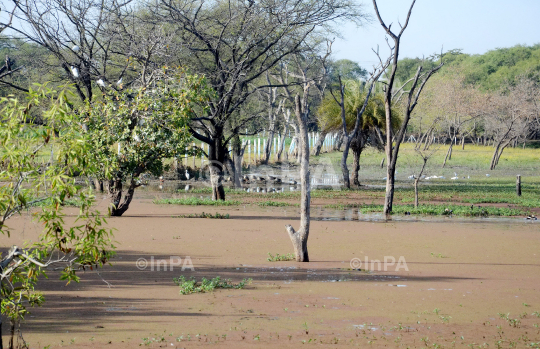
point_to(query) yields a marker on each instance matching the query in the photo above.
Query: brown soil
(469, 272)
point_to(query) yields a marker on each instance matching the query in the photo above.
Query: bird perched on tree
(100, 82)
(75, 72)
(75, 48)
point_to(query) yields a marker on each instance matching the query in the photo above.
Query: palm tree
(372, 123)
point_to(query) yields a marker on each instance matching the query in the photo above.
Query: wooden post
(518, 185)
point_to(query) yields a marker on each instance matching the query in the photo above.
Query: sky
(475, 26)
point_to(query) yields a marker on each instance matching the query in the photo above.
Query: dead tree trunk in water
(299, 238)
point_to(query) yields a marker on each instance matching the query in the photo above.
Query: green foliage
(437, 210)
(347, 69)
(133, 130)
(273, 203)
(491, 70)
(280, 258)
(205, 215)
(28, 179)
(329, 111)
(192, 201)
(193, 286)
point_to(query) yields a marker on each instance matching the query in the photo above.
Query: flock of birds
(254, 178)
(456, 177)
(100, 81)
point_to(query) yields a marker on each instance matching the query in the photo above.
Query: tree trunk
(495, 157)
(390, 182)
(317, 148)
(356, 166)
(345, 155)
(12, 335)
(281, 146)
(299, 238)
(98, 185)
(268, 147)
(238, 150)
(229, 164)
(448, 153)
(416, 192)
(216, 159)
(118, 207)
(339, 141)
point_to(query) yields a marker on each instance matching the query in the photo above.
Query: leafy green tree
(371, 127)
(134, 130)
(30, 177)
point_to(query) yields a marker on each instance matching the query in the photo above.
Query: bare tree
(234, 43)
(72, 33)
(418, 83)
(310, 73)
(513, 113)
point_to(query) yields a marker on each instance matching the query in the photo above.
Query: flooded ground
(447, 282)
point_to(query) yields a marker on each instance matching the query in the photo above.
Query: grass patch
(204, 215)
(66, 203)
(208, 190)
(192, 201)
(193, 286)
(446, 210)
(435, 210)
(279, 258)
(274, 203)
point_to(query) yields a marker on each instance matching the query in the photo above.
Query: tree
(233, 43)
(74, 33)
(29, 178)
(371, 122)
(134, 130)
(309, 72)
(418, 83)
(512, 116)
(359, 106)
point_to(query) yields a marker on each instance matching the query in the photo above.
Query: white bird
(75, 71)
(75, 48)
(454, 178)
(101, 83)
(412, 177)
(468, 177)
(487, 174)
(384, 178)
(187, 188)
(119, 82)
(187, 175)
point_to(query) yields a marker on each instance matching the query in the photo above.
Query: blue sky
(476, 26)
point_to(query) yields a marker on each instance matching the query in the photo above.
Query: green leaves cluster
(193, 286)
(30, 176)
(133, 130)
(329, 111)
